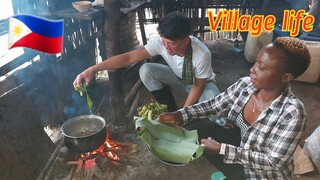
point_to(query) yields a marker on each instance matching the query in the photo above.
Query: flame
(106, 149)
(89, 163)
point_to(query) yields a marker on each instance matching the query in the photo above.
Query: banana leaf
(169, 143)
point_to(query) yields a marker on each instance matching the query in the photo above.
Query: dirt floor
(229, 66)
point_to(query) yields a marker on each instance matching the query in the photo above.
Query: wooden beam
(112, 33)
(45, 173)
(132, 92)
(134, 106)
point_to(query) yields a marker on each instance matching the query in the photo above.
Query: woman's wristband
(222, 149)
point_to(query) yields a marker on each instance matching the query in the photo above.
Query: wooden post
(111, 30)
(167, 7)
(140, 11)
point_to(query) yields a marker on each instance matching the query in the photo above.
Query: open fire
(110, 153)
(108, 148)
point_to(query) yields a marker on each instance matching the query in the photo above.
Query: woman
(268, 119)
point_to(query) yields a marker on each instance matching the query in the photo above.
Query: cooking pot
(84, 133)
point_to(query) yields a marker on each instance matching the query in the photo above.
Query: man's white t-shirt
(201, 58)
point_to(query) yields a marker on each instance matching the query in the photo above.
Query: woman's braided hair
(297, 55)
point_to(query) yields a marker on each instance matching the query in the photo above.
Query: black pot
(84, 133)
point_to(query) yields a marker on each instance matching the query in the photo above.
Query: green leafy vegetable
(84, 90)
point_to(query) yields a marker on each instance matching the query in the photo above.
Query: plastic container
(312, 73)
(255, 44)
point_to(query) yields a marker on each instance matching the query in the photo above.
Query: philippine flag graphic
(36, 33)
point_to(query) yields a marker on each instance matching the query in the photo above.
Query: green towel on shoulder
(169, 143)
(187, 70)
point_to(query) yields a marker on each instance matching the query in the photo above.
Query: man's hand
(85, 76)
(171, 118)
(195, 92)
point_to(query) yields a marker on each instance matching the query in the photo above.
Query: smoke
(48, 82)
(78, 106)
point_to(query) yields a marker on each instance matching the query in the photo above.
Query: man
(188, 68)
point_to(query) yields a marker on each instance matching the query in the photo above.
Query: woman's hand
(171, 118)
(85, 76)
(211, 146)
